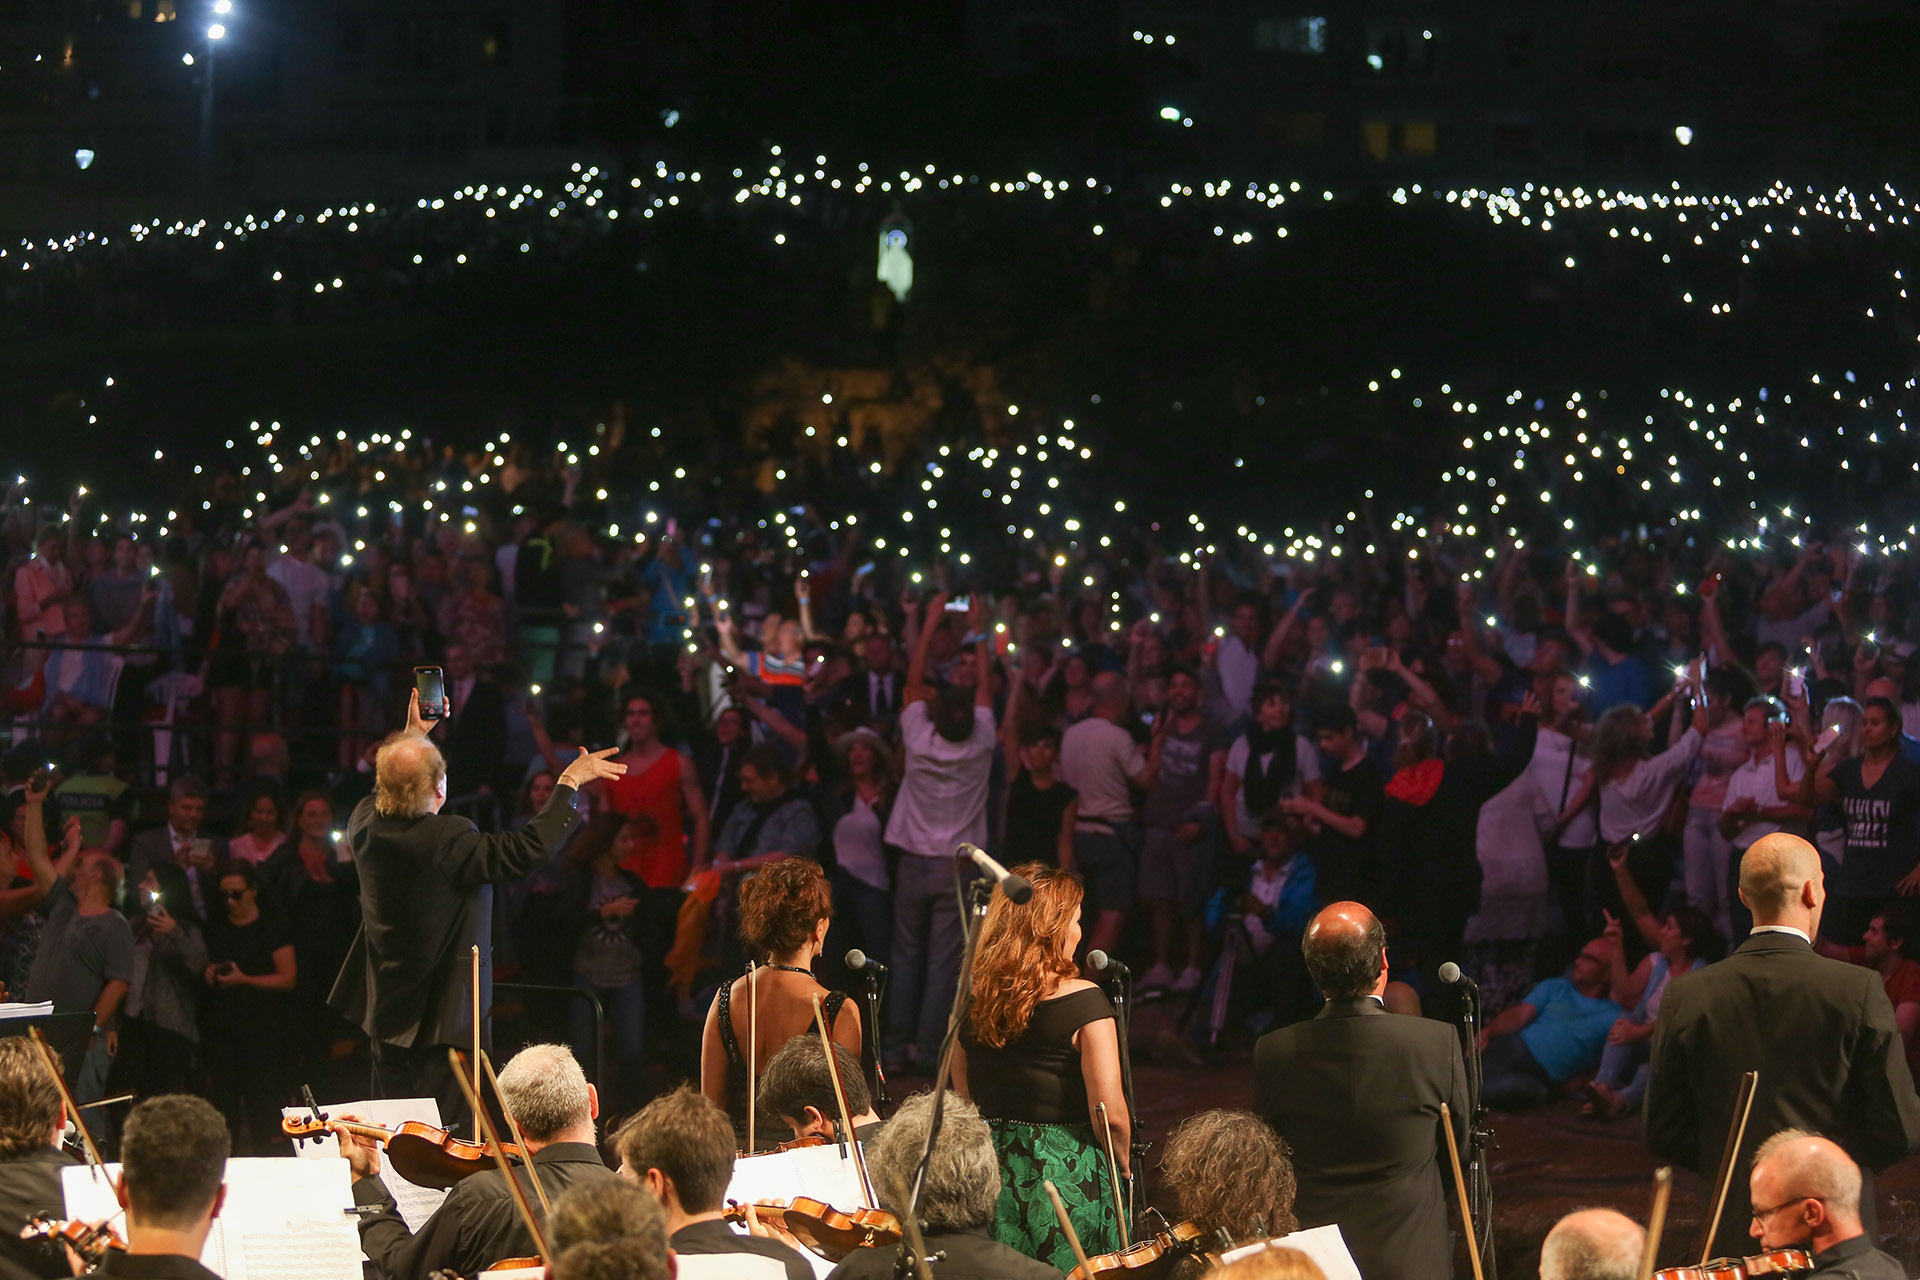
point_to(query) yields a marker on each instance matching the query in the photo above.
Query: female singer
(1039, 1054)
(1229, 1171)
(784, 914)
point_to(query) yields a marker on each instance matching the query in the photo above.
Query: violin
(90, 1241)
(1772, 1263)
(808, 1140)
(818, 1227)
(1148, 1259)
(420, 1153)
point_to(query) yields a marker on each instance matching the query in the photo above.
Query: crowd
(1513, 756)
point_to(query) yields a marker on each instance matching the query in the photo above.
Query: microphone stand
(882, 1103)
(1480, 1139)
(1117, 996)
(979, 893)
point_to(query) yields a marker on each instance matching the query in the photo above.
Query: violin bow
(66, 1097)
(1460, 1186)
(485, 1123)
(1113, 1172)
(1742, 1108)
(840, 1096)
(1657, 1219)
(519, 1138)
(1066, 1225)
(753, 1042)
(476, 1034)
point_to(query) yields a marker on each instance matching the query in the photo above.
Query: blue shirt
(1568, 1030)
(1615, 683)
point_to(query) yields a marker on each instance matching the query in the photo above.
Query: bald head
(1592, 1244)
(409, 777)
(1796, 1165)
(1345, 947)
(1110, 694)
(1882, 687)
(1781, 882)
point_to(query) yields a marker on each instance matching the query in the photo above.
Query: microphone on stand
(1101, 962)
(859, 961)
(1450, 973)
(1017, 888)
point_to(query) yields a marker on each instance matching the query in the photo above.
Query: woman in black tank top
(784, 914)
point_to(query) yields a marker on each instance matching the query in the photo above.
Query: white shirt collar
(1784, 928)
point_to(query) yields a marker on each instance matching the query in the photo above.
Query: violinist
(957, 1202)
(797, 1091)
(785, 911)
(1806, 1194)
(680, 1149)
(173, 1166)
(1228, 1173)
(478, 1224)
(32, 1118)
(609, 1230)
(1593, 1244)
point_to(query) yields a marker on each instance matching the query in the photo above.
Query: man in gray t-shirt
(1185, 766)
(85, 960)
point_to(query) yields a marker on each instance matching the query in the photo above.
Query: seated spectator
(1593, 1244)
(1884, 948)
(680, 1149)
(771, 822)
(1552, 1036)
(958, 1197)
(610, 1230)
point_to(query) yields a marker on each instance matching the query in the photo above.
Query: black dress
(737, 1061)
(1034, 1097)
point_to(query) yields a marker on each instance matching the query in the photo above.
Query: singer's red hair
(1022, 953)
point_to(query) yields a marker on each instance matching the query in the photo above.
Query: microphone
(1017, 888)
(1101, 962)
(1451, 975)
(859, 962)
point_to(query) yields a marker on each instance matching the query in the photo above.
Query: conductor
(426, 900)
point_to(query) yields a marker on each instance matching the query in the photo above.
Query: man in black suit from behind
(1356, 1092)
(426, 899)
(1820, 1032)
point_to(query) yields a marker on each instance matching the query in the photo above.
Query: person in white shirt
(1758, 791)
(948, 740)
(1100, 760)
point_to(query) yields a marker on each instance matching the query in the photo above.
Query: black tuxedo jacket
(1356, 1092)
(1822, 1036)
(857, 693)
(426, 899)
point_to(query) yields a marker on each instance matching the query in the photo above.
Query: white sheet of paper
(1325, 1245)
(283, 1219)
(416, 1203)
(820, 1172)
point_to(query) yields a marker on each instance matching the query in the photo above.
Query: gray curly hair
(963, 1179)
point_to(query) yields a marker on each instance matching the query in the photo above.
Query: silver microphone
(1451, 975)
(1017, 888)
(1101, 962)
(859, 962)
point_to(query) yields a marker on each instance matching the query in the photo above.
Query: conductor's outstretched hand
(590, 766)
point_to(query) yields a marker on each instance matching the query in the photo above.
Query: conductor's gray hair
(1592, 1244)
(546, 1090)
(963, 1179)
(1811, 1167)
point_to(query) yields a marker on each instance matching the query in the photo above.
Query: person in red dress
(662, 790)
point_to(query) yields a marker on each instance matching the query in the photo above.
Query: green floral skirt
(1068, 1156)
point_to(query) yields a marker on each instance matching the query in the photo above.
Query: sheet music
(416, 1203)
(1325, 1245)
(283, 1219)
(821, 1172)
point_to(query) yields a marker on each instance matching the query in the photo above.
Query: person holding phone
(1879, 794)
(426, 900)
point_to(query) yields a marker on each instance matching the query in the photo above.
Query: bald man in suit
(1820, 1033)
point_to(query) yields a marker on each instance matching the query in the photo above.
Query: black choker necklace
(790, 968)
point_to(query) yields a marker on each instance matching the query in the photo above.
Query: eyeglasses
(1761, 1215)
